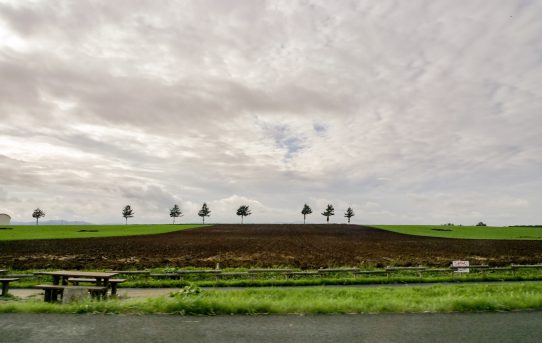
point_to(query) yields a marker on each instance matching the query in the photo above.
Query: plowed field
(305, 246)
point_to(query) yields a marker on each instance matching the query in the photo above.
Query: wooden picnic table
(3, 271)
(5, 285)
(61, 277)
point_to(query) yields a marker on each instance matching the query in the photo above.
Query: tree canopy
(349, 214)
(243, 211)
(38, 213)
(204, 212)
(127, 212)
(175, 212)
(328, 212)
(306, 210)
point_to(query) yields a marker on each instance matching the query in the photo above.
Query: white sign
(461, 266)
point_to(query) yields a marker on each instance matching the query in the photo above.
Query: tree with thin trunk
(349, 214)
(306, 210)
(243, 211)
(175, 212)
(127, 212)
(204, 212)
(38, 214)
(328, 212)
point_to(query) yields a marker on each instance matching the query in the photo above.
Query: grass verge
(457, 298)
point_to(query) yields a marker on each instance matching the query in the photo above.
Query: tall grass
(460, 298)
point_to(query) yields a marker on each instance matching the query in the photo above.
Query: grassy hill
(27, 232)
(467, 232)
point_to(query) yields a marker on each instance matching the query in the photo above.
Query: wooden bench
(5, 285)
(18, 276)
(113, 282)
(53, 292)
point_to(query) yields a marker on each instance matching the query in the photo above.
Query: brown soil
(304, 246)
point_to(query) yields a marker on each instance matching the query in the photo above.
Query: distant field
(27, 232)
(467, 232)
(309, 246)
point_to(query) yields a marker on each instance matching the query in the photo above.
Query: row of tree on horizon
(243, 211)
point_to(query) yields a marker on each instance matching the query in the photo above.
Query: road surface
(472, 327)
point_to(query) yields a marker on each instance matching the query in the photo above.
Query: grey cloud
(276, 102)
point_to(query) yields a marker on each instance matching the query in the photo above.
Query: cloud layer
(410, 112)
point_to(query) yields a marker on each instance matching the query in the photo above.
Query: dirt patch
(304, 246)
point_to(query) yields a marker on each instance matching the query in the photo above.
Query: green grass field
(439, 298)
(27, 232)
(467, 232)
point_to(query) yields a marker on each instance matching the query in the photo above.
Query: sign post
(461, 266)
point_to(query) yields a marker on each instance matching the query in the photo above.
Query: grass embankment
(467, 232)
(28, 232)
(461, 298)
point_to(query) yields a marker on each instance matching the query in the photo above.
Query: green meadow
(467, 232)
(27, 232)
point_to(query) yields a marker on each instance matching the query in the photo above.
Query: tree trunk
(304, 218)
(126, 218)
(242, 217)
(327, 219)
(173, 220)
(37, 221)
(203, 219)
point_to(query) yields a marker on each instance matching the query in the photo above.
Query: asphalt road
(473, 327)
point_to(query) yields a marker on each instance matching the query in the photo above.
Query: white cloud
(429, 109)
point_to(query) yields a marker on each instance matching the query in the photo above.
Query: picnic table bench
(56, 292)
(112, 282)
(5, 285)
(61, 278)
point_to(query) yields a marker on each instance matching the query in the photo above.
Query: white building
(5, 219)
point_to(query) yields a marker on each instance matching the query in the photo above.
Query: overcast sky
(408, 111)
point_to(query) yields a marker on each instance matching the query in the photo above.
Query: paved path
(475, 327)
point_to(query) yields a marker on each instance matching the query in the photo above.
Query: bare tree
(243, 211)
(127, 212)
(306, 210)
(328, 212)
(38, 214)
(349, 214)
(204, 212)
(175, 212)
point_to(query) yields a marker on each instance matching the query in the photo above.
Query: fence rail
(288, 272)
